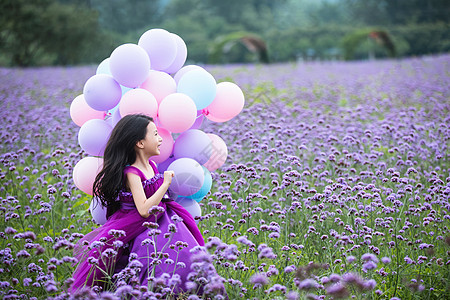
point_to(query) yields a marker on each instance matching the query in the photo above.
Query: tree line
(69, 32)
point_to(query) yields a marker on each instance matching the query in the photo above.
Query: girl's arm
(143, 204)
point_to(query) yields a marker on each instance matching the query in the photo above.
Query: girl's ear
(140, 144)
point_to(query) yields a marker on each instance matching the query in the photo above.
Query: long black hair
(119, 153)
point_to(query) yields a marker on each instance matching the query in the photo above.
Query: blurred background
(74, 32)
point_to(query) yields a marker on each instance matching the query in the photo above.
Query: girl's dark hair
(119, 153)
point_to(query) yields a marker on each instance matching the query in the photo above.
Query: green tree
(398, 12)
(123, 16)
(45, 31)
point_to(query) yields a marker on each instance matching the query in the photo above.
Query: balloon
(191, 206)
(138, 101)
(116, 117)
(113, 110)
(85, 171)
(98, 211)
(165, 164)
(93, 136)
(193, 144)
(228, 102)
(188, 177)
(200, 86)
(177, 112)
(198, 121)
(166, 146)
(102, 92)
(219, 153)
(212, 118)
(109, 120)
(160, 84)
(206, 187)
(181, 56)
(129, 65)
(160, 46)
(125, 89)
(80, 111)
(103, 67)
(184, 70)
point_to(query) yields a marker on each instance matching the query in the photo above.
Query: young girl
(141, 218)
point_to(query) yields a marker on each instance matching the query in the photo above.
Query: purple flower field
(336, 185)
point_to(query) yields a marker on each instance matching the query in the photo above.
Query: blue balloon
(103, 67)
(206, 187)
(200, 86)
(125, 89)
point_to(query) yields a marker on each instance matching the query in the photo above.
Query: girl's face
(152, 141)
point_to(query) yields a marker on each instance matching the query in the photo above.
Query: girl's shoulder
(137, 171)
(134, 170)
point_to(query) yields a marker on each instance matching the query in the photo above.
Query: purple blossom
(259, 280)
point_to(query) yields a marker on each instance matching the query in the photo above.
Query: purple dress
(95, 251)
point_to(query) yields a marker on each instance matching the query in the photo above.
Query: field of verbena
(336, 185)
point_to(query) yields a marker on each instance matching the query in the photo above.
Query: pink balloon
(80, 111)
(228, 102)
(219, 153)
(102, 92)
(184, 70)
(161, 47)
(181, 56)
(177, 112)
(138, 101)
(212, 118)
(85, 171)
(166, 146)
(129, 65)
(160, 84)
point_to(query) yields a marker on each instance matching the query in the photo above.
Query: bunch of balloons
(149, 78)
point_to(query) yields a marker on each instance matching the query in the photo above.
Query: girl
(141, 219)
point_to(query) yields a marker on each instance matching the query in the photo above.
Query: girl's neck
(141, 161)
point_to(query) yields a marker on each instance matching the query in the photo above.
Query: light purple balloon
(193, 144)
(102, 92)
(116, 117)
(181, 56)
(188, 178)
(191, 206)
(129, 65)
(165, 164)
(93, 136)
(98, 211)
(184, 70)
(198, 121)
(161, 47)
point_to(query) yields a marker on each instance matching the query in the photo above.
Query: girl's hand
(168, 175)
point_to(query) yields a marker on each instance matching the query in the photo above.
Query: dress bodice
(150, 185)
